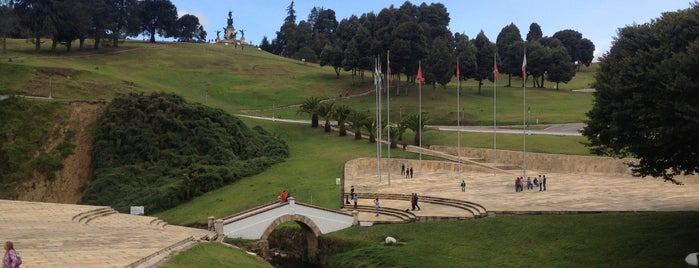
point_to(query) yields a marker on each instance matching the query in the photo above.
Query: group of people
(354, 197)
(408, 172)
(539, 182)
(413, 201)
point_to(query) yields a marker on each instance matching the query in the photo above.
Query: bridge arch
(310, 229)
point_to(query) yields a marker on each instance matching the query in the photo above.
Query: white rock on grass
(390, 240)
(691, 258)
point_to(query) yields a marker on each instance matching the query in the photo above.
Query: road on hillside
(570, 129)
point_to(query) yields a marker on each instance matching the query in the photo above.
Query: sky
(597, 20)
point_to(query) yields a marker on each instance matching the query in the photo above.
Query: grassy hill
(251, 80)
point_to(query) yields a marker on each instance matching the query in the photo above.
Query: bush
(159, 151)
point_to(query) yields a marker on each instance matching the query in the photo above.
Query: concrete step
(405, 216)
(474, 210)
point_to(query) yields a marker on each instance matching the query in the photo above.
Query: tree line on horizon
(416, 34)
(65, 21)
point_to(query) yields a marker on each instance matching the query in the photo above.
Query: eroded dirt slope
(69, 183)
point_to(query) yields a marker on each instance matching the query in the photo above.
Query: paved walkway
(50, 235)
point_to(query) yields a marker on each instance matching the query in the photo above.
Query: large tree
(465, 52)
(439, 65)
(8, 22)
(125, 21)
(332, 55)
(158, 17)
(580, 49)
(508, 64)
(561, 68)
(34, 16)
(189, 29)
(485, 50)
(535, 33)
(647, 94)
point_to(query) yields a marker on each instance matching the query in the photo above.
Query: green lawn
(649, 239)
(214, 255)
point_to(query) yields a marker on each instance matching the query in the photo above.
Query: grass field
(250, 80)
(660, 239)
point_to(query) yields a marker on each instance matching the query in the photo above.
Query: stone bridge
(259, 222)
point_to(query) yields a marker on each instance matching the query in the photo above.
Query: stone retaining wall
(546, 162)
(358, 166)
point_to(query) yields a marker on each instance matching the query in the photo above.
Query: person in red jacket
(284, 196)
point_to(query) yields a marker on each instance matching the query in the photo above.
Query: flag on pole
(419, 75)
(495, 69)
(458, 74)
(524, 67)
(377, 75)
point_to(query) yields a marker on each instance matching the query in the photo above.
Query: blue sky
(597, 20)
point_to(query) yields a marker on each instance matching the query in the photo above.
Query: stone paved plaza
(565, 192)
(57, 235)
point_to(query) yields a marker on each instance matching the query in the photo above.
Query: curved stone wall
(546, 162)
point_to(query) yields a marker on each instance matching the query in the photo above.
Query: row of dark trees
(420, 33)
(69, 20)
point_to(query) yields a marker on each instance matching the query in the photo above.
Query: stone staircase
(404, 216)
(87, 216)
(464, 209)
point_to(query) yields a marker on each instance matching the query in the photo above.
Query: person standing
(377, 206)
(544, 182)
(355, 200)
(463, 185)
(284, 196)
(541, 182)
(529, 183)
(411, 172)
(402, 167)
(10, 260)
(412, 201)
(415, 199)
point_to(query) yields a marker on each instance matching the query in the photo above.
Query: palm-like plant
(414, 123)
(325, 110)
(341, 113)
(356, 122)
(370, 126)
(310, 106)
(394, 133)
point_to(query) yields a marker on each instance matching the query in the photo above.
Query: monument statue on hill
(230, 34)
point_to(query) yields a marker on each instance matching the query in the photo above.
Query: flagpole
(458, 115)
(388, 112)
(378, 74)
(378, 129)
(419, 129)
(495, 112)
(524, 115)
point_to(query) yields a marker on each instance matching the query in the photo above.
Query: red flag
(458, 74)
(495, 70)
(419, 75)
